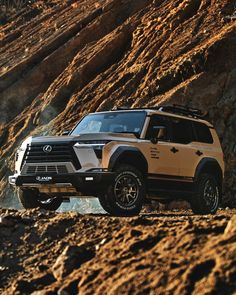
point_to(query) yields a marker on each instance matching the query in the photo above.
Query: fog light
(89, 178)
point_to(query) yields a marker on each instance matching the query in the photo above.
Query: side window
(203, 133)
(182, 131)
(155, 121)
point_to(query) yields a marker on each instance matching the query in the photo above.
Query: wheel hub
(126, 190)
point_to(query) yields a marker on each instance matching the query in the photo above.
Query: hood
(86, 137)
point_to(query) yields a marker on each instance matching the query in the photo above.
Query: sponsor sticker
(44, 178)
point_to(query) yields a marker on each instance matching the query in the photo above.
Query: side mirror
(159, 132)
(64, 133)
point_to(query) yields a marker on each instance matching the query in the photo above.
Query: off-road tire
(208, 194)
(32, 199)
(125, 195)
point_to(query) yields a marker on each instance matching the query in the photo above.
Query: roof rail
(183, 110)
(130, 108)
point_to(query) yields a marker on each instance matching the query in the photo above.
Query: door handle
(199, 153)
(174, 150)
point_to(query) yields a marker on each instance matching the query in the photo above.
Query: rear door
(188, 150)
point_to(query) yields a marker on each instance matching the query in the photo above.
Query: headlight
(98, 144)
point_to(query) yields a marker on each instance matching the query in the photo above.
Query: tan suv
(125, 157)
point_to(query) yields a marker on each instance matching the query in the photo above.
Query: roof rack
(183, 110)
(174, 109)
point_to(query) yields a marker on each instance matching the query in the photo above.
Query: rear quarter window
(203, 133)
(182, 131)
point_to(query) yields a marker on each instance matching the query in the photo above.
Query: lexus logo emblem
(47, 148)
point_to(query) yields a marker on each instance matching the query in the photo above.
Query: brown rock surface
(159, 253)
(71, 258)
(61, 59)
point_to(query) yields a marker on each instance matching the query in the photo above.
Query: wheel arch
(130, 156)
(211, 166)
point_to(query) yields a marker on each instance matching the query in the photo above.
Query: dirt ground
(155, 253)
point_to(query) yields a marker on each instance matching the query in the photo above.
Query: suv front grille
(59, 169)
(62, 152)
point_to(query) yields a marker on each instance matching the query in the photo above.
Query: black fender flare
(208, 163)
(122, 151)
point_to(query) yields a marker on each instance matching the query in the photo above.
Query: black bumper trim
(85, 182)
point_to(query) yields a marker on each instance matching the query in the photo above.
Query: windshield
(115, 122)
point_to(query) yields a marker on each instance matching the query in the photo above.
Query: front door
(163, 160)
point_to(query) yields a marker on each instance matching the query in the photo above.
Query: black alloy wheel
(208, 195)
(125, 196)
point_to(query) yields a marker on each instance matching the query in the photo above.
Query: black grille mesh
(59, 169)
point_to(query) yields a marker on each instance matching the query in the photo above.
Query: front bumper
(83, 182)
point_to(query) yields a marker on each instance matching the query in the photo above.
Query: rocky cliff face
(61, 59)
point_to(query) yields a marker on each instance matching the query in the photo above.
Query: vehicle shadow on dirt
(147, 215)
